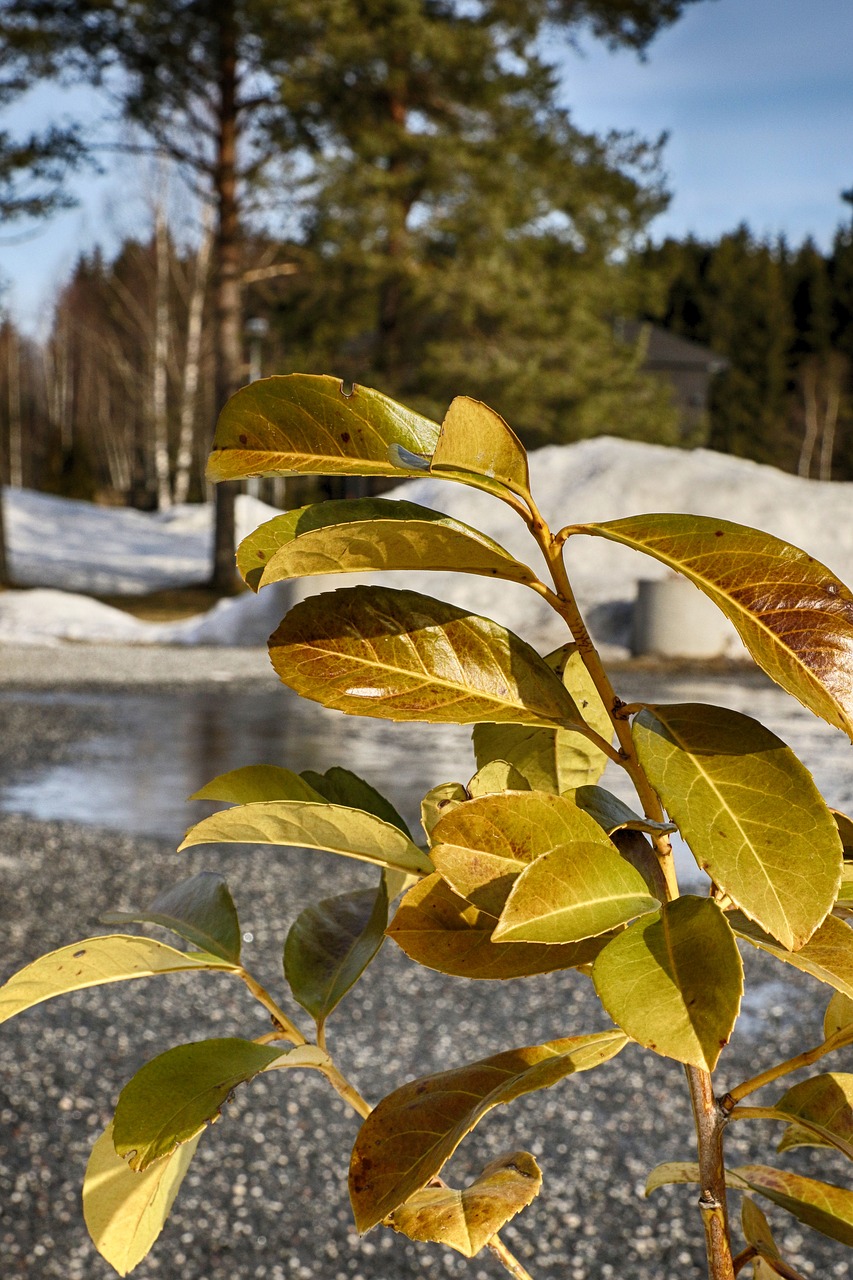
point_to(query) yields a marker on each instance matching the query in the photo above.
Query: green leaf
(674, 980)
(437, 928)
(407, 1138)
(838, 1016)
(750, 812)
(495, 777)
(556, 760)
(612, 814)
(330, 944)
(827, 1102)
(305, 423)
(373, 651)
(827, 956)
(826, 1208)
(200, 909)
(467, 1220)
(482, 846)
(112, 957)
(125, 1211)
(576, 891)
(438, 801)
(175, 1095)
(370, 534)
(341, 786)
(793, 615)
(305, 825)
(255, 782)
(475, 439)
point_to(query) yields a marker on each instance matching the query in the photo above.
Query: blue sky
(756, 95)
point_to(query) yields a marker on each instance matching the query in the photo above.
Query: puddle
(138, 754)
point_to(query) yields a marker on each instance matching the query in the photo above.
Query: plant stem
(508, 1260)
(710, 1122)
(565, 605)
(280, 1019)
(837, 1041)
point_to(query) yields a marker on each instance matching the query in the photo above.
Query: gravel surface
(266, 1195)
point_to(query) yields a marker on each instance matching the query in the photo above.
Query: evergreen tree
(466, 236)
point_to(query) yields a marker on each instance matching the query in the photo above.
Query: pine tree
(466, 236)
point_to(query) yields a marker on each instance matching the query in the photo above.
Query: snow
(67, 550)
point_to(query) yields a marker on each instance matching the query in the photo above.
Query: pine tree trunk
(228, 343)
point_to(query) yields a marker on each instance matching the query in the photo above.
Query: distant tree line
(782, 318)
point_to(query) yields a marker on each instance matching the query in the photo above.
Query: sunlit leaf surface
(113, 957)
(370, 534)
(467, 1220)
(440, 930)
(306, 423)
(373, 651)
(674, 980)
(124, 1210)
(749, 810)
(474, 438)
(793, 615)
(821, 1205)
(827, 956)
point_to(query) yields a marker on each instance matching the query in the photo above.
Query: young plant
(529, 868)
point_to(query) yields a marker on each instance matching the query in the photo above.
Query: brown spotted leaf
(440, 930)
(793, 615)
(398, 655)
(467, 1220)
(305, 423)
(408, 1137)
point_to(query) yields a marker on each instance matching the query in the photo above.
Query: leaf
(305, 825)
(407, 1138)
(341, 786)
(554, 760)
(374, 651)
(826, 1208)
(200, 909)
(576, 891)
(256, 782)
(482, 846)
(495, 777)
(366, 534)
(612, 814)
(330, 944)
(474, 438)
(756, 1229)
(827, 1101)
(172, 1098)
(839, 1015)
(673, 981)
(845, 830)
(305, 423)
(793, 615)
(112, 957)
(467, 1220)
(681, 1172)
(827, 956)
(438, 801)
(750, 812)
(125, 1211)
(437, 928)
(845, 891)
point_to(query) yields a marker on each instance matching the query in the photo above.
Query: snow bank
(74, 547)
